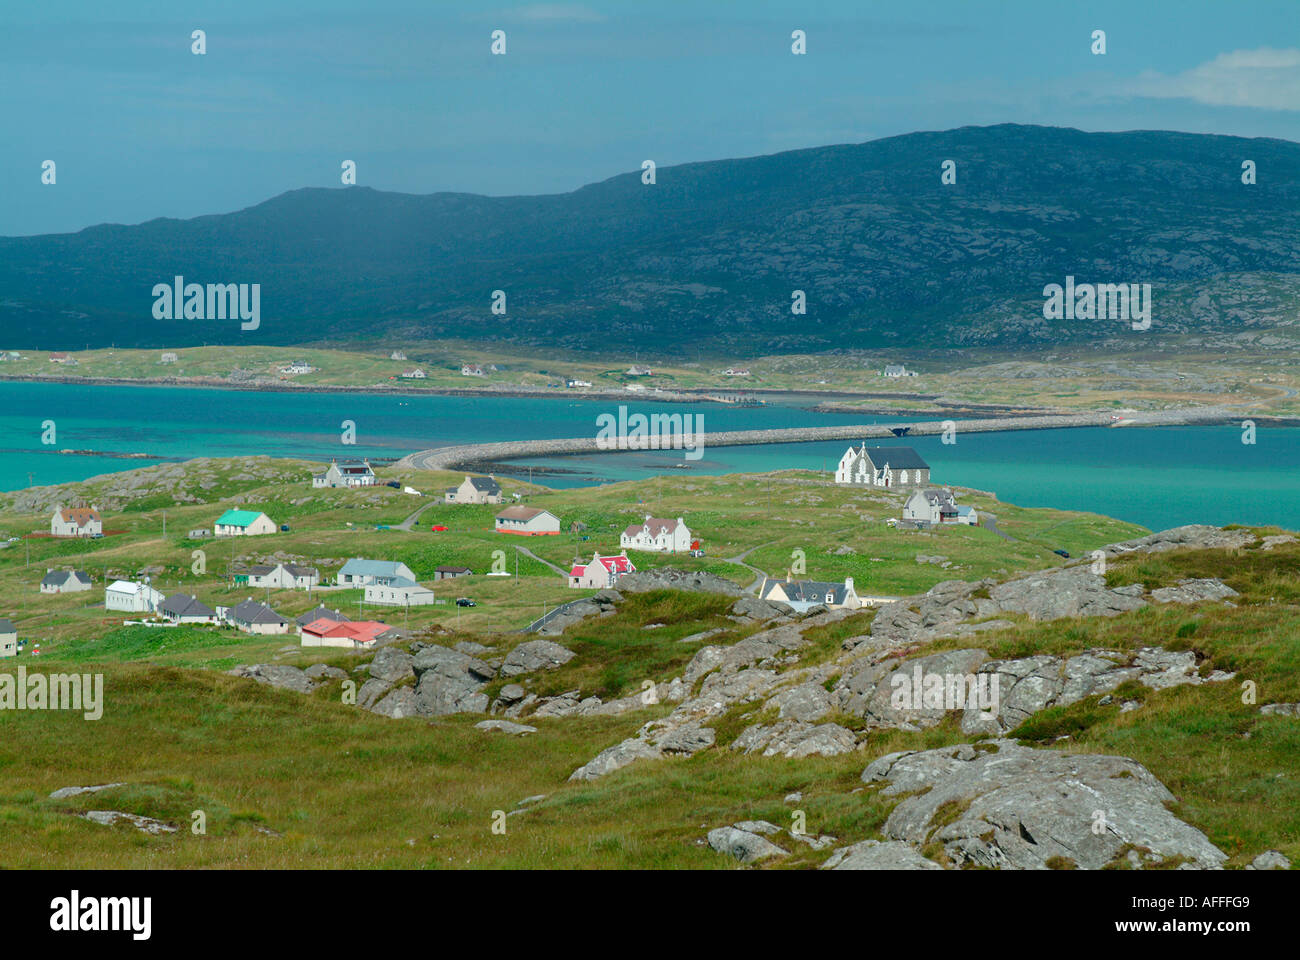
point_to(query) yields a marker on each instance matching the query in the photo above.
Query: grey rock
(757, 826)
(615, 758)
(64, 792)
(1194, 591)
(144, 824)
(471, 648)
(535, 655)
(371, 691)
(755, 609)
(318, 671)
(505, 726)
(744, 846)
(1193, 535)
(1066, 592)
(391, 664)
(1021, 807)
(688, 739)
(792, 739)
(878, 855)
(670, 578)
(278, 675)
(400, 703)
(1270, 860)
(1281, 709)
(511, 693)
(806, 702)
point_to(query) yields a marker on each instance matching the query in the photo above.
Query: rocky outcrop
(879, 855)
(793, 739)
(505, 726)
(1008, 806)
(1199, 536)
(1068, 592)
(534, 655)
(448, 682)
(745, 845)
(1194, 591)
(670, 578)
(278, 675)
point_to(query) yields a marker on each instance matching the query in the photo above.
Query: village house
(573, 384)
(471, 370)
(736, 372)
(201, 533)
(663, 536)
(168, 358)
(243, 523)
(361, 573)
(475, 490)
(527, 522)
(251, 616)
(297, 367)
(66, 358)
(882, 467)
(416, 374)
(399, 592)
(8, 639)
(282, 576)
(347, 634)
(804, 594)
(345, 473)
(321, 612)
(186, 608)
(128, 596)
(76, 522)
(895, 370)
(397, 355)
(65, 581)
(451, 573)
(639, 371)
(937, 506)
(600, 573)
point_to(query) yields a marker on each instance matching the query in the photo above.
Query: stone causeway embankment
(451, 458)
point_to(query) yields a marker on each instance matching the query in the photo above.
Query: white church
(882, 467)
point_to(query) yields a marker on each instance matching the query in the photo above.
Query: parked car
(697, 553)
(465, 602)
(437, 528)
(394, 484)
(284, 528)
(1061, 553)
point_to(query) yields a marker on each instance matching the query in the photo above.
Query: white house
(664, 536)
(168, 358)
(254, 617)
(882, 467)
(128, 596)
(894, 370)
(574, 384)
(527, 522)
(8, 639)
(283, 576)
(475, 490)
(361, 573)
(471, 370)
(399, 592)
(937, 506)
(803, 594)
(297, 367)
(397, 355)
(601, 572)
(639, 371)
(345, 473)
(65, 581)
(186, 608)
(76, 522)
(243, 523)
(736, 372)
(416, 374)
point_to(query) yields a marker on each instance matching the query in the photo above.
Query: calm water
(1155, 477)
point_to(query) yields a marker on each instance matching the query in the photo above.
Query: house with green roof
(243, 523)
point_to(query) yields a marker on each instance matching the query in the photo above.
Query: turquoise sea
(1157, 477)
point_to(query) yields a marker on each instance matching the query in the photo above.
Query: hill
(706, 258)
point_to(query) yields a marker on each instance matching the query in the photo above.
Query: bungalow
(475, 490)
(574, 384)
(325, 632)
(895, 370)
(362, 573)
(664, 536)
(882, 467)
(129, 596)
(8, 639)
(471, 370)
(638, 371)
(399, 592)
(416, 374)
(930, 506)
(63, 358)
(321, 612)
(283, 576)
(297, 367)
(187, 608)
(736, 372)
(254, 617)
(397, 355)
(243, 523)
(600, 573)
(450, 573)
(201, 533)
(65, 581)
(527, 522)
(348, 473)
(76, 522)
(168, 358)
(803, 594)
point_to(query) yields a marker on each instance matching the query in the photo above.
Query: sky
(140, 127)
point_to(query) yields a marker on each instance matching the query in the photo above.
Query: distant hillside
(706, 258)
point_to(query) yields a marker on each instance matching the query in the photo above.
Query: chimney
(848, 584)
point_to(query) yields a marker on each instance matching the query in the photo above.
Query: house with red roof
(358, 634)
(600, 573)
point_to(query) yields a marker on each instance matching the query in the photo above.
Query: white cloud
(1266, 78)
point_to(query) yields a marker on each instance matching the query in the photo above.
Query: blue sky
(140, 128)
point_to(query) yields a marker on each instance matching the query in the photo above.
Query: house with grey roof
(475, 490)
(399, 592)
(321, 612)
(894, 370)
(362, 573)
(804, 594)
(882, 467)
(8, 639)
(65, 581)
(252, 616)
(186, 608)
(345, 473)
(451, 572)
(283, 576)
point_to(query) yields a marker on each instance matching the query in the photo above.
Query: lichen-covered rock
(535, 655)
(878, 855)
(792, 739)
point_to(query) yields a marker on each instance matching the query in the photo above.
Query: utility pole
(164, 524)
